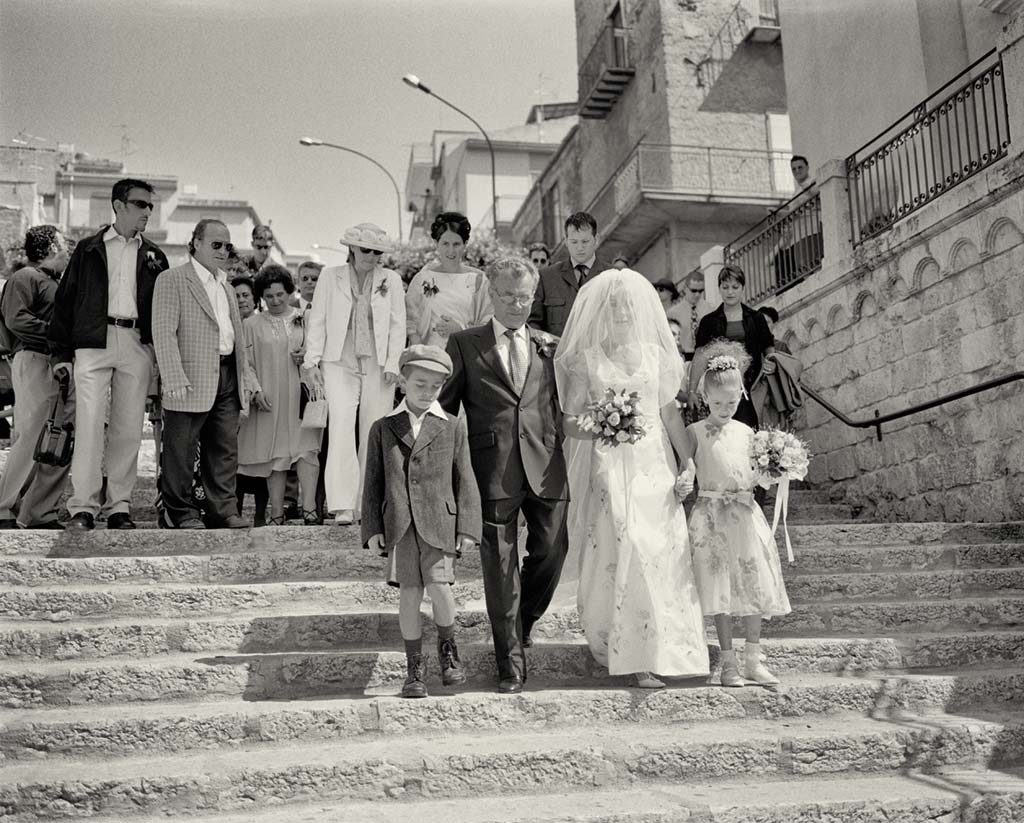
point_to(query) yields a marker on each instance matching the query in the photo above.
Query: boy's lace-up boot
(417, 671)
(452, 673)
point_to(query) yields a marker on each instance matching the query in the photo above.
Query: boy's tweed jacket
(427, 483)
(187, 341)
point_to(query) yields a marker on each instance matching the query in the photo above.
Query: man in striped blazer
(205, 381)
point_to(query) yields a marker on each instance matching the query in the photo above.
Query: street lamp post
(313, 141)
(415, 82)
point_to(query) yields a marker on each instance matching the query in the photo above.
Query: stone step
(945, 796)
(499, 762)
(328, 555)
(288, 617)
(306, 674)
(98, 596)
(149, 542)
(165, 728)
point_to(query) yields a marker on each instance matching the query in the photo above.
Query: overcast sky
(217, 92)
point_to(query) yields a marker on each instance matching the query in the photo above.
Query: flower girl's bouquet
(615, 419)
(778, 456)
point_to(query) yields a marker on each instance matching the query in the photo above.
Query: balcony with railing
(659, 183)
(605, 72)
(742, 68)
(950, 136)
(955, 133)
(781, 250)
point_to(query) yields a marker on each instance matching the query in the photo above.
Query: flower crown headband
(722, 362)
(719, 363)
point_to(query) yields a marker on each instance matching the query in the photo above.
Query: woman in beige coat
(355, 332)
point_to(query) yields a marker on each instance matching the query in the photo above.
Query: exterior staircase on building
(250, 676)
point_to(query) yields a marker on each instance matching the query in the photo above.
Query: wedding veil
(615, 305)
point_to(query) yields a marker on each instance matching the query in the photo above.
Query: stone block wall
(934, 306)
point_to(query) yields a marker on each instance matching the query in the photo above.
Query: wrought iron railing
(782, 249)
(879, 418)
(729, 37)
(705, 171)
(610, 51)
(943, 141)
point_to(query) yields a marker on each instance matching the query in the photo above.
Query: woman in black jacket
(734, 320)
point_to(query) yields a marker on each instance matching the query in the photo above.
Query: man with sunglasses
(101, 331)
(205, 382)
(688, 311)
(262, 241)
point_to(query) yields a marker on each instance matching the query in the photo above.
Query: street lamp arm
(306, 141)
(413, 81)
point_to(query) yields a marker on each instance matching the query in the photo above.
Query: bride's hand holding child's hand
(684, 485)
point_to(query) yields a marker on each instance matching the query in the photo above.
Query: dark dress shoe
(81, 522)
(234, 521)
(9, 523)
(510, 685)
(191, 523)
(120, 520)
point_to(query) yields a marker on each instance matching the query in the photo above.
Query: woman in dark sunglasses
(355, 331)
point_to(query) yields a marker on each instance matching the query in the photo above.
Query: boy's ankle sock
(414, 647)
(446, 632)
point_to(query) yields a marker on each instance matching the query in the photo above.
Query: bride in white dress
(637, 601)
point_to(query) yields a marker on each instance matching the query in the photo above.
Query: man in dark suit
(102, 330)
(504, 377)
(560, 282)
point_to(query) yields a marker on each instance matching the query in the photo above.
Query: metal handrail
(877, 421)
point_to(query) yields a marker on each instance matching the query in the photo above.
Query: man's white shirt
(503, 344)
(214, 285)
(122, 259)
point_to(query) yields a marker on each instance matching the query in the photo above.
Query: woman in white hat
(355, 332)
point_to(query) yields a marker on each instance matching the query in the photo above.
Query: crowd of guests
(284, 387)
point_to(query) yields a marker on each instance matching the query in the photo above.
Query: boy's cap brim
(429, 365)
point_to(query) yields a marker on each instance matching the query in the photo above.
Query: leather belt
(123, 322)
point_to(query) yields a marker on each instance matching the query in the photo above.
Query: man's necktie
(693, 322)
(516, 360)
(581, 274)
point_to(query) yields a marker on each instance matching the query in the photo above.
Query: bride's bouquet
(615, 419)
(778, 456)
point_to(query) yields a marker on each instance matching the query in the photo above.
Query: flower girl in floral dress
(735, 560)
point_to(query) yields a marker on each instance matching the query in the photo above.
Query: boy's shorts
(414, 562)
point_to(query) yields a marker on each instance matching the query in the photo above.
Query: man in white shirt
(205, 382)
(101, 330)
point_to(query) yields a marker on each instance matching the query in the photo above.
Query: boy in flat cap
(421, 508)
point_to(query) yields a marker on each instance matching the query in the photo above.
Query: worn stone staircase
(250, 676)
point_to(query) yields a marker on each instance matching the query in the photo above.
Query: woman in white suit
(355, 331)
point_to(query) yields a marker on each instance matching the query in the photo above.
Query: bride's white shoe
(646, 680)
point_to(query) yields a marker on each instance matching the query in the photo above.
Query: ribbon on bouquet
(781, 508)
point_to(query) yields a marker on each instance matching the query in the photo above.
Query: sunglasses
(370, 251)
(217, 245)
(696, 291)
(141, 204)
(261, 246)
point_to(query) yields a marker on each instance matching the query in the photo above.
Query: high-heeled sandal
(311, 518)
(275, 521)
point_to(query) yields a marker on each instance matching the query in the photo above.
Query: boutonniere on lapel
(152, 261)
(430, 288)
(546, 344)
(382, 289)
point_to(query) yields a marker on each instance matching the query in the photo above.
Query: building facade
(453, 172)
(666, 169)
